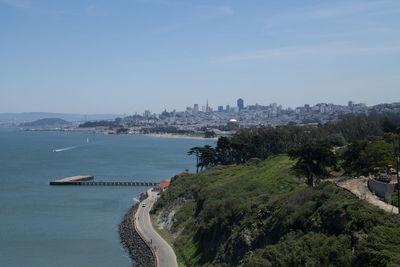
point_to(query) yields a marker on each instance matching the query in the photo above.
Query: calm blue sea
(42, 225)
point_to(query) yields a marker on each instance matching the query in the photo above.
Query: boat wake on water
(65, 148)
(70, 147)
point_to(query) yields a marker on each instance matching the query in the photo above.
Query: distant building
(234, 109)
(220, 108)
(350, 104)
(207, 107)
(196, 108)
(233, 125)
(227, 108)
(163, 185)
(240, 104)
(147, 114)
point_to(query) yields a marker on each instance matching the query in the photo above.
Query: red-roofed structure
(164, 184)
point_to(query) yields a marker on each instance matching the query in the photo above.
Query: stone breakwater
(132, 242)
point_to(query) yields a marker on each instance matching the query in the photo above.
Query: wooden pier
(89, 180)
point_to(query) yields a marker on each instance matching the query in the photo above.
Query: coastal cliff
(258, 214)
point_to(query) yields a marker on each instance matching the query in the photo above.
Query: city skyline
(202, 107)
(130, 56)
(236, 107)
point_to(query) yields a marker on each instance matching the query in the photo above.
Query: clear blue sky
(126, 56)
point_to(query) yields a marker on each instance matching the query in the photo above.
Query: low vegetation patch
(257, 214)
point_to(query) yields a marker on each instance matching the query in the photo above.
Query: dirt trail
(359, 188)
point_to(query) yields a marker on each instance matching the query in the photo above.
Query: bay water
(42, 225)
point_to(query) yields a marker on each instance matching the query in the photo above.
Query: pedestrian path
(165, 254)
(359, 188)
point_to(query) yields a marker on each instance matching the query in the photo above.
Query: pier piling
(89, 180)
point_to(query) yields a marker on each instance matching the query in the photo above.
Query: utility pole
(397, 155)
(397, 158)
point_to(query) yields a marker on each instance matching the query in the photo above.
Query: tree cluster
(311, 146)
(361, 157)
(110, 124)
(165, 129)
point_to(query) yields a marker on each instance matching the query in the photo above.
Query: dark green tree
(224, 151)
(313, 160)
(377, 154)
(196, 151)
(362, 157)
(352, 160)
(388, 126)
(207, 157)
(209, 134)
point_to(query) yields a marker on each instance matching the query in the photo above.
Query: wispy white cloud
(168, 28)
(59, 12)
(153, 1)
(352, 33)
(93, 11)
(343, 10)
(223, 10)
(215, 11)
(16, 3)
(334, 11)
(312, 50)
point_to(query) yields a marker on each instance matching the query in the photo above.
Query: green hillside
(48, 122)
(257, 214)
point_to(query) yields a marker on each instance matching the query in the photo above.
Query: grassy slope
(258, 215)
(395, 199)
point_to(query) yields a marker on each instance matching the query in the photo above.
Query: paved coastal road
(165, 254)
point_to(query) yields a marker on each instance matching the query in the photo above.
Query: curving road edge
(165, 255)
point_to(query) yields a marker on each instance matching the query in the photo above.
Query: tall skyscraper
(240, 104)
(196, 108)
(220, 108)
(147, 114)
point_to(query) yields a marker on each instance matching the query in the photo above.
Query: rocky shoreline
(138, 250)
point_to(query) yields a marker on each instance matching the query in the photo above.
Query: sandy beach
(180, 136)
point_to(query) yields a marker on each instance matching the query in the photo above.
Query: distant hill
(48, 122)
(17, 118)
